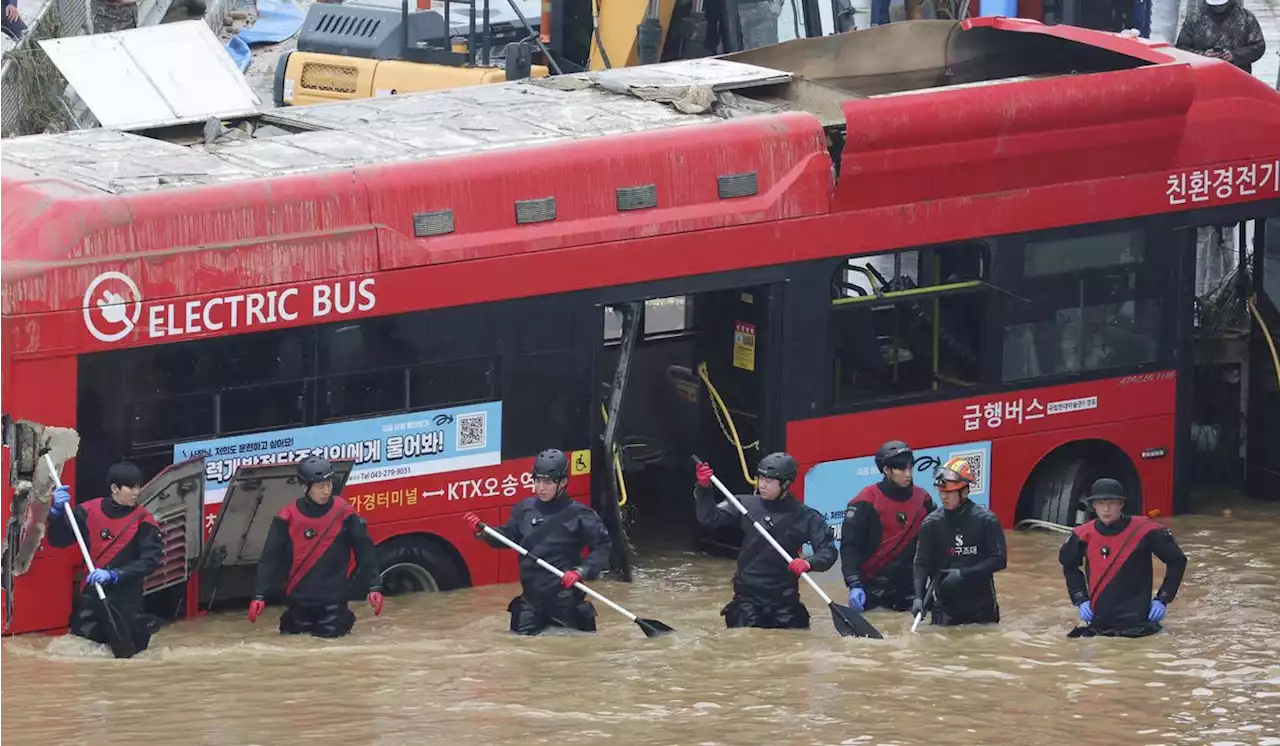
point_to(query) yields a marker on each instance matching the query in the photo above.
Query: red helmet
(954, 475)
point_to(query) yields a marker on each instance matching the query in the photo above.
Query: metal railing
(31, 89)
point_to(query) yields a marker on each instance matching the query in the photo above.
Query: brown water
(443, 669)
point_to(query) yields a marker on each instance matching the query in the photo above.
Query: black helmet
(894, 453)
(1104, 489)
(779, 466)
(314, 469)
(551, 464)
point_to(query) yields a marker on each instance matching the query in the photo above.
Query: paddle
(928, 594)
(118, 636)
(650, 627)
(848, 622)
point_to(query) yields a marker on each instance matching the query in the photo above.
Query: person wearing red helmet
(308, 549)
(878, 538)
(960, 548)
(1116, 550)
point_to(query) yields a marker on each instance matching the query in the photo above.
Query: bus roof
(328, 137)
(927, 111)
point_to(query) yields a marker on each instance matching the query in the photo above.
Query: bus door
(737, 363)
(680, 375)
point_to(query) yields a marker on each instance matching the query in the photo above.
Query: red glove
(473, 521)
(704, 473)
(571, 577)
(798, 566)
(256, 607)
(375, 600)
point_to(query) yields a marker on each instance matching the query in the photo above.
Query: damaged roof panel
(399, 128)
(155, 76)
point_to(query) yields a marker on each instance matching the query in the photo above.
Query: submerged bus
(984, 247)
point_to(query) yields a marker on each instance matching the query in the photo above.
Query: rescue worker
(1224, 29)
(555, 528)
(124, 543)
(766, 588)
(1116, 550)
(960, 548)
(878, 538)
(308, 549)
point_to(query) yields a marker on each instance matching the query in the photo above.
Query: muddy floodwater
(442, 669)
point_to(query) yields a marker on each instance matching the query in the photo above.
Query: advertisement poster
(392, 447)
(829, 487)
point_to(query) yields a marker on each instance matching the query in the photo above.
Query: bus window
(545, 405)
(447, 384)
(666, 315)
(661, 316)
(1068, 255)
(908, 322)
(267, 407)
(372, 393)
(173, 418)
(206, 387)
(1094, 304)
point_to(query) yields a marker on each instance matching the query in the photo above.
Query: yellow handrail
(1266, 334)
(732, 435)
(617, 464)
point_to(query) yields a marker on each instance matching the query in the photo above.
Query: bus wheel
(1058, 489)
(416, 565)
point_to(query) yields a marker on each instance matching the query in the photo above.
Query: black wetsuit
(878, 542)
(119, 538)
(765, 592)
(555, 531)
(971, 540)
(305, 560)
(1117, 559)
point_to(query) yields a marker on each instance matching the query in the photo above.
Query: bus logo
(109, 313)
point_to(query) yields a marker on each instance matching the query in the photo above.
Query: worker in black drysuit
(960, 548)
(556, 528)
(878, 538)
(1116, 550)
(123, 540)
(306, 555)
(766, 587)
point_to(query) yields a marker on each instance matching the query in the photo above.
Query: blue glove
(102, 577)
(1157, 611)
(857, 598)
(950, 577)
(61, 496)
(1086, 612)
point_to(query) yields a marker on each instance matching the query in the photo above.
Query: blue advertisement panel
(829, 486)
(393, 447)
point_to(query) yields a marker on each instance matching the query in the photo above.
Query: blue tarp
(277, 20)
(239, 52)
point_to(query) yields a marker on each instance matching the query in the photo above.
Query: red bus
(984, 248)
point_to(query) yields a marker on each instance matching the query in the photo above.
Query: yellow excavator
(364, 49)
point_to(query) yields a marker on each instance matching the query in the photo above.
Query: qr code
(977, 461)
(473, 431)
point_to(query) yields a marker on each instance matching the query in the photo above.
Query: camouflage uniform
(108, 16)
(1235, 30)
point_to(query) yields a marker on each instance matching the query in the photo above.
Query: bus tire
(416, 564)
(1058, 488)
